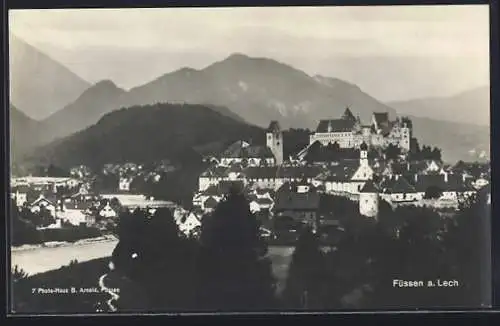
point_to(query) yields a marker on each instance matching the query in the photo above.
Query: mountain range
(470, 107)
(39, 85)
(255, 91)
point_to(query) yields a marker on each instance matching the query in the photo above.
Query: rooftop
(297, 201)
(369, 187)
(273, 127)
(335, 125)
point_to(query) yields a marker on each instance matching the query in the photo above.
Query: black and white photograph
(249, 159)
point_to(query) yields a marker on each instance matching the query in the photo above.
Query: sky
(391, 52)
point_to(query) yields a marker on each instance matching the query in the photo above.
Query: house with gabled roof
(397, 189)
(48, 203)
(212, 176)
(210, 204)
(265, 203)
(452, 187)
(263, 193)
(302, 207)
(242, 152)
(188, 222)
(109, 208)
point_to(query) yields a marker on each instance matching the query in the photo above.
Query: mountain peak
(39, 85)
(108, 83)
(238, 55)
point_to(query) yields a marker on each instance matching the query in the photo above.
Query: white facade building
(348, 132)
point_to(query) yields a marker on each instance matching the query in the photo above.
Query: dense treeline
(407, 244)
(147, 133)
(418, 153)
(225, 269)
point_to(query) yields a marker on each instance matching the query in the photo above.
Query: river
(44, 259)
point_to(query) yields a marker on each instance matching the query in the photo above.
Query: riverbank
(56, 244)
(46, 258)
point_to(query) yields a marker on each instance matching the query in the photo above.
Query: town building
(274, 141)
(44, 203)
(369, 200)
(297, 203)
(349, 132)
(343, 158)
(246, 154)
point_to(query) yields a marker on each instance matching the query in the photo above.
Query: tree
(466, 247)
(18, 274)
(56, 171)
(436, 154)
(153, 255)
(392, 152)
(233, 273)
(306, 274)
(415, 253)
(23, 230)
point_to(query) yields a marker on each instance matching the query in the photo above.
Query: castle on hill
(349, 132)
(343, 158)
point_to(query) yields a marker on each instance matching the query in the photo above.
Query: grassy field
(32, 294)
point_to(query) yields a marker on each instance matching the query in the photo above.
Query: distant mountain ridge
(85, 111)
(471, 107)
(254, 91)
(39, 85)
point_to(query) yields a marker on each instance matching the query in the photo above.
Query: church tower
(274, 140)
(369, 200)
(363, 154)
(406, 134)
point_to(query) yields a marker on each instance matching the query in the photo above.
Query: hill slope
(458, 141)
(24, 133)
(85, 111)
(38, 84)
(470, 107)
(146, 133)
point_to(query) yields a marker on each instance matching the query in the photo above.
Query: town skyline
(396, 45)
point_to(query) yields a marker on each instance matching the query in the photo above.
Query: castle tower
(369, 200)
(363, 154)
(274, 140)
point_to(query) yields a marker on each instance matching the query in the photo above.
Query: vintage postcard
(267, 159)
